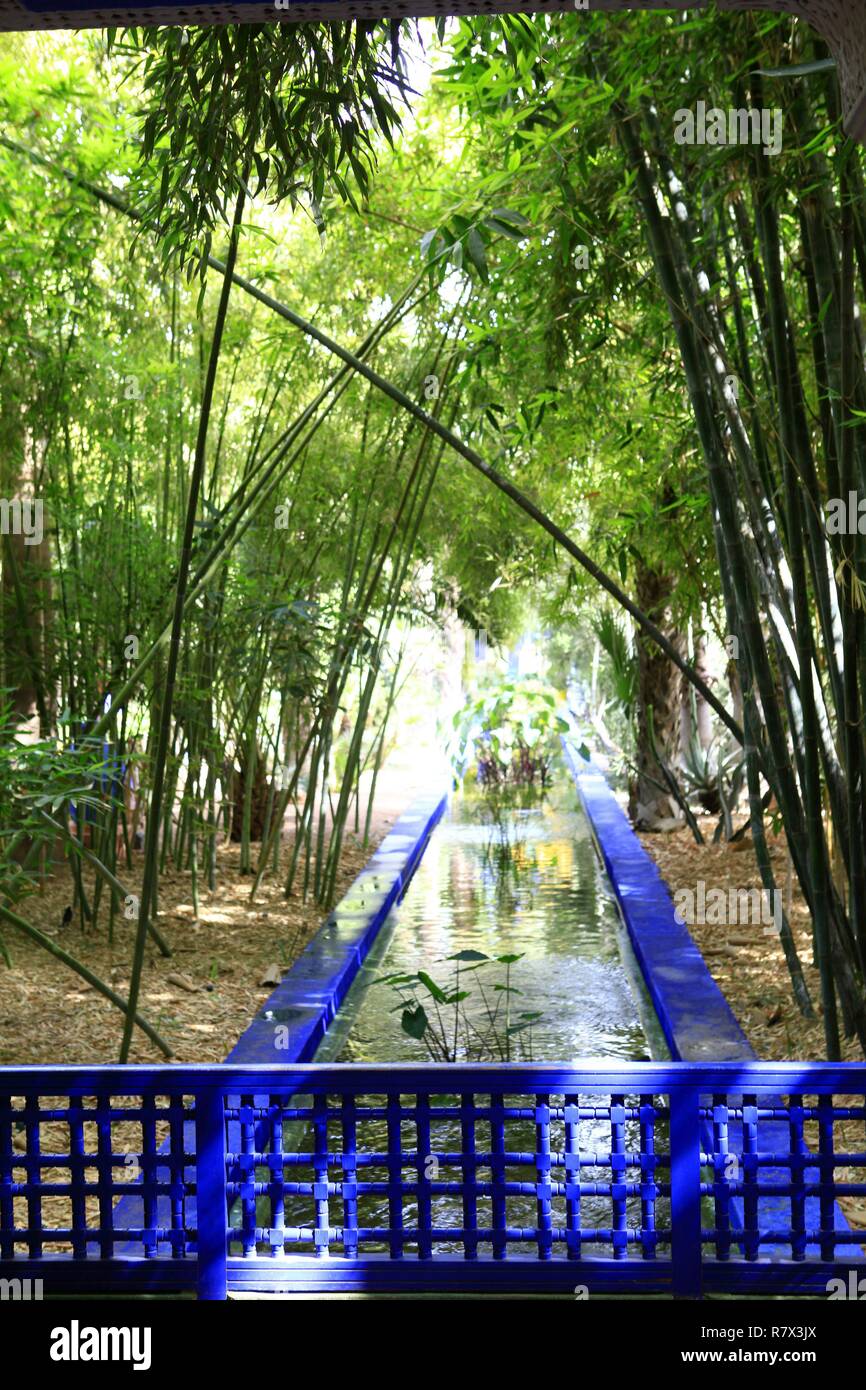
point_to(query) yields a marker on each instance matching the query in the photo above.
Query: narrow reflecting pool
(548, 901)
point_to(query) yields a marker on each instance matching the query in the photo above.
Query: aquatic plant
(448, 1032)
(510, 735)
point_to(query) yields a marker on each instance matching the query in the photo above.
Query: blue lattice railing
(665, 1177)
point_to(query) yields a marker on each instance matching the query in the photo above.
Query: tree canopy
(315, 335)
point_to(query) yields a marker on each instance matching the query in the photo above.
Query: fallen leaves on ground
(200, 999)
(748, 964)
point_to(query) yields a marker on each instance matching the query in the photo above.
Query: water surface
(549, 901)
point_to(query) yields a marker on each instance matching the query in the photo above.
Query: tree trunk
(658, 705)
(258, 798)
(25, 586)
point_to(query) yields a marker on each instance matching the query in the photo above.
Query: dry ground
(200, 999)
(748, 963)
(223, 965)
(203, 997)
(749, 967)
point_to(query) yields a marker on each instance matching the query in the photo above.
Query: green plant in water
(509, 735)
(447, 1031)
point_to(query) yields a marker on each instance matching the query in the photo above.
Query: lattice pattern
(773, 1175)
(665, 1177)
(468, 1174)
(65, 1160)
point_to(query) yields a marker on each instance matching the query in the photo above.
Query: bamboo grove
(304, 479)
(759, 264)
(792, 592)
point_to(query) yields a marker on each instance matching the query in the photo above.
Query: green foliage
(487, 1034)
(463, 241)
(613, 640)
(36, 778)
(290, 109)
(509, 735)
(508, 247)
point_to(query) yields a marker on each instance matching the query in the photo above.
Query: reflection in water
(549, 901)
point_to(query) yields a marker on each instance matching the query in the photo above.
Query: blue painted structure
(695, 1016)
(296, 1015)
(525, 1146)
(298, 1177)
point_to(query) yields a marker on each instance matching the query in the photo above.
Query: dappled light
(433, 659)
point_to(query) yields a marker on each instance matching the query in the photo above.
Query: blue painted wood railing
(608, 1176)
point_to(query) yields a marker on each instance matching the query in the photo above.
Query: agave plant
(714, 775)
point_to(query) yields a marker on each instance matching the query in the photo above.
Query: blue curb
(694, 1014)
(306, 1000)
(311, 992)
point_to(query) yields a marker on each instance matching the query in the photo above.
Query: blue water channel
(544, 897)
